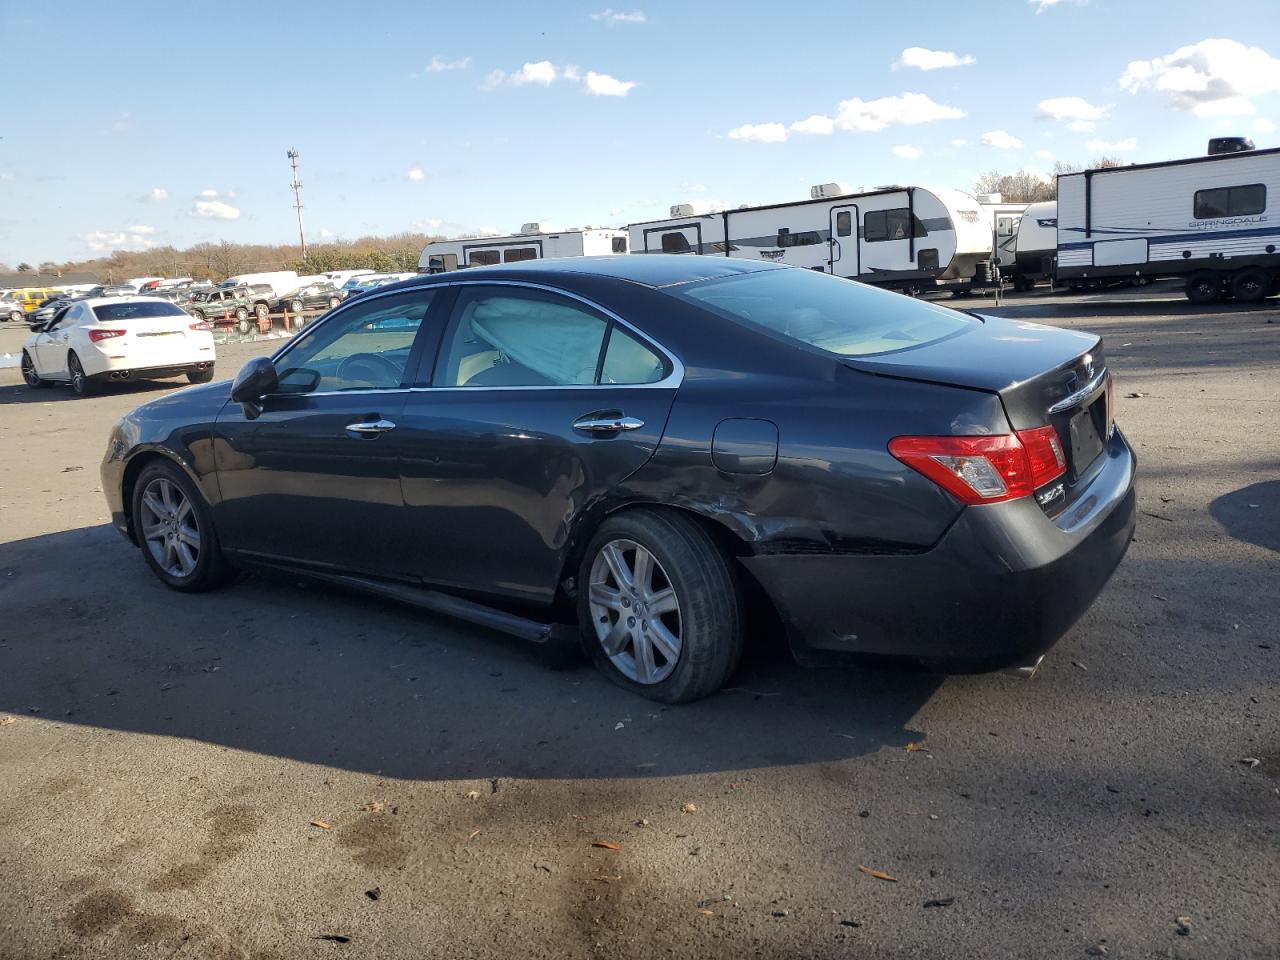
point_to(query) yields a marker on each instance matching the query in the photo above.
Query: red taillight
(96, 335)
(986, 469)
(202, 325)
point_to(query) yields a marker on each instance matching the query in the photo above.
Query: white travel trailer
(909, 238)
(1004, 219)
(1035, 241)
(1204, 218)
(535, 241)
(283, 282)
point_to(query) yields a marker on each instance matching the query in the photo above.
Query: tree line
(1027, 186)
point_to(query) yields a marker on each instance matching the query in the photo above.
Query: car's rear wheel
(29, 373)
(242, 313)
(262, 311)
(83, 384)
(659, 606)
(243, 325)
(197, 314)
(296, 306)
(1250, 286)
(1203, 287)
(175, 530)
(333, 302)
(200, 376)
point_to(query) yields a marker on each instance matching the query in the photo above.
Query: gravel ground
(247, 773)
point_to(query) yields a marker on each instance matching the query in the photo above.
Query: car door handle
(371, 428)
(597, 424)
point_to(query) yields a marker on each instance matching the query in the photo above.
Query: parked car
(629, 452)
(361, 285)
(42, 314)
(227, 305)
(104, 339)
(315, 296)
(16, 304)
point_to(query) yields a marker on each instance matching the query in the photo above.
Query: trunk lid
(1043, 375)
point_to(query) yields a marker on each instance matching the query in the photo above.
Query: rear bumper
(999, 588)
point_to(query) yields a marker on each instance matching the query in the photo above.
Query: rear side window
(842, 317)
(1231, 201)
(675, 243)
(108, 312)
(627, 360)
(484, 258)
(619, 244)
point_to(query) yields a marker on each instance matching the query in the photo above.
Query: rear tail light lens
(986, 469)
(202, 325)
(97, 335)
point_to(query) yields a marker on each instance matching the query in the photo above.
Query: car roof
(96, 301)
(651, 270)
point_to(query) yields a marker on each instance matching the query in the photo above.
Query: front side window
(839, 316)
(675, 243)
(366, 347)
(881, 225)
(1244, 201)
(484, 258)
(516, 337)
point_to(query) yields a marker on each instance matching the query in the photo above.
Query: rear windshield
(839, 316)
(107, 312)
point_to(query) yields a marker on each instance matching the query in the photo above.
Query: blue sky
(146, 124)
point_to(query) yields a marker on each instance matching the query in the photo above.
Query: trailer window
(844, 223)
(619, 244)
(1231, 201)
(675, 243)
(483, 258)
(802, 239)
(881, 225)
(519, 253)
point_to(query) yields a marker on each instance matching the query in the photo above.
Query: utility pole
(297, 199)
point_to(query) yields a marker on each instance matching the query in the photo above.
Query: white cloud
(759, 133)
(925, 59)
(1081, 115)
(326, 233)
(7, 177)
(1211, 78)
(1112, 146)
(1001, 140)
(439, 65)
(1044, 154)
(818, 124)
(603, 85)
(1263, 125)
(416, 173)
(138, 237)
(209, 194)
(1043, 5)
(693, 187)
(907, 152)
(868, 116)
(542, 72)
(959, 142)
(155, 195)
(431, 223)
(611, 16)
(215, 210)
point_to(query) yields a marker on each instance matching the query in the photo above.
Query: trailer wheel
(1203, 287)
(1250, 286)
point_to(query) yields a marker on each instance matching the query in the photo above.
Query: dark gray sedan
(625, 454)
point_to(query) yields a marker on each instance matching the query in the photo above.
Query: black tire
(333, 302)
(243, 325)
(200, 376)
(1203, 287)
(242, 313)
(705, 587)
(197, 314)
(262, 311)
(296, 306)
(1250, 286)
(29, 373)
(211, 568)
(83, 384)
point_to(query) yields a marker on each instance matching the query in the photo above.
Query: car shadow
(57, 392)
(1251, 514)
(299, 671)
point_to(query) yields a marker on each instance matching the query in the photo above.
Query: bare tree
(24, 267)
(1025, 186)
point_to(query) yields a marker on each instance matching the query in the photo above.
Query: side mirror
(256, 379)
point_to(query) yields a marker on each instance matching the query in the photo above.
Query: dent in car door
(497, 474)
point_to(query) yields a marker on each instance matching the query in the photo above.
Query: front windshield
(840, 316)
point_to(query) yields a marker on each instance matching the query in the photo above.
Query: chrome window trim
(673, 379)
(1069, 401)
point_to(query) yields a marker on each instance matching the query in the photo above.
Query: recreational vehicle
(1003, 223)
(535, 241)
(908, 238)
(1203, 218)
(1034, 243)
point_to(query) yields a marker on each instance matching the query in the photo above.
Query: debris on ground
(334, 937)
(473, 794)
(322, 825)
(914, 747)
(940, 902)
(544, 866)
(1250, 762)
(472, 835)
(1135, 395)
(374, 894)
(1097, 950)
(878, 874)
(850, 923)
(642, 822)
(1184, 926)
(71, 469)
(374, 806)
(605, 879)
(689, 808)
(5, 721)
(605, 844)
(1079, 665)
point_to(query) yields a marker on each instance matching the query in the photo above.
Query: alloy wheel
(29, 371)
(169, 528)
(77, 375)
(635, 611)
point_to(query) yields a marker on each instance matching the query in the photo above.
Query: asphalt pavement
(278, 770)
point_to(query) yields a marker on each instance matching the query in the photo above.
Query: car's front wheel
(83, 384)
(29, 373)
(175, 530)
(659, 606)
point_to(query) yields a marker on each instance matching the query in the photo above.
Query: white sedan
(93, 342)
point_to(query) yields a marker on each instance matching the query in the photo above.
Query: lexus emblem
(1088, 366)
